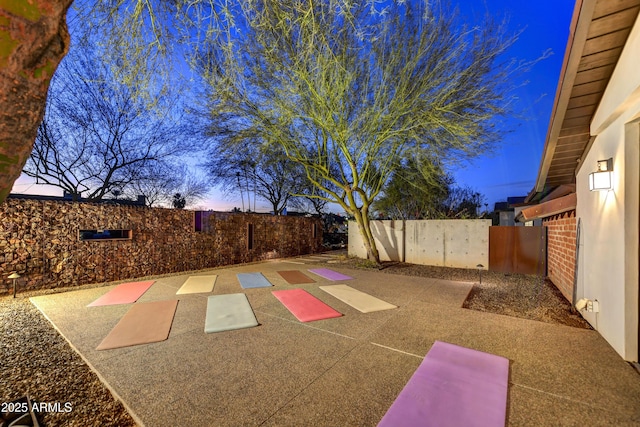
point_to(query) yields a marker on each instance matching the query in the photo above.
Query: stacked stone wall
(40, 239)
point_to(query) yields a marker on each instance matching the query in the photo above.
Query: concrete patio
(345, 371)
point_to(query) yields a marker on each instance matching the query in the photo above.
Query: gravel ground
(516, 295)
(36, 361)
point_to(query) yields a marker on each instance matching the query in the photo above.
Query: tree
(96, 136)
(237, 164)
(427, 193)
(349, 89)
(414, 193)
(162, 181)
(136, 34)
(33, 40)
(179, 201)
(462, 202)
(311, 198)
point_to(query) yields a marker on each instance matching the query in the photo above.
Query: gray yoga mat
(228, 312)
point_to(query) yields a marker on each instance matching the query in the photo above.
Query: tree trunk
(364, 226)
(33, 41)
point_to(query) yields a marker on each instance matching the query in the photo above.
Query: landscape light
(480, 267)
(15, 276)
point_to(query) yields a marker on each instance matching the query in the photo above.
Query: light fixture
(15, 276)
(602, 179)
(480, 267)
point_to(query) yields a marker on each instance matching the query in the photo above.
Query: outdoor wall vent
(602, 178)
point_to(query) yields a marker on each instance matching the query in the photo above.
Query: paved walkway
(345, 371)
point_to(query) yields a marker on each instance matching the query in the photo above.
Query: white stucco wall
(608, 251)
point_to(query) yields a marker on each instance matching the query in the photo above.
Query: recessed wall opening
(314, 230)
(250, 236)
(101, 235)
(197, 221)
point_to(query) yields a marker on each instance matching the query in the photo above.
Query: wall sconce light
(602, 178)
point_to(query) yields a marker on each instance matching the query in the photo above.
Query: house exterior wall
(459, 243)
(561, 249)
(507, 218)
(39, 240)
(608, 261)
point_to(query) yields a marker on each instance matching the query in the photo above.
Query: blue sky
(512, 169)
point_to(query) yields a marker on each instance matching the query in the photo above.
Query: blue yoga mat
(228, 312)
(253, 280)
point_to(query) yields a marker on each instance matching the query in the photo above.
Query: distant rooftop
(141, 201)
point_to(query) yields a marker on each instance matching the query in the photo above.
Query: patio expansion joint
(296, 322)
(568, 399)
(396, 350)
(313, 381)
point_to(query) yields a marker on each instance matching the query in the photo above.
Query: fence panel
(518, 250)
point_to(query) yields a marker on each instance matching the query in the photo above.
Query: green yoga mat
(228, 312)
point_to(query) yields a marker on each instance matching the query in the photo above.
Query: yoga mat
(453, 386)
(197, 284)
(295, 277)
(330, 274)
(253, 280)
(144, 323)
(125, 293)
(305, 306)
(228, 312)
(359, 300)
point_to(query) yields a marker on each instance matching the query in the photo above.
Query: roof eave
(579, 29)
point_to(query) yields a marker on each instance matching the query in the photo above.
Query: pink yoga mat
(453, 386)
(305, 306)
(125, 293)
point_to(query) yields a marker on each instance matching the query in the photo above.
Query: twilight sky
(512, 169)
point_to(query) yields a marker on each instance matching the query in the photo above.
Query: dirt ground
(517, 295)
(35, 360)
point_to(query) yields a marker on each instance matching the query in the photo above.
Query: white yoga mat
(359, 300)
(198, 284)
(228, 312)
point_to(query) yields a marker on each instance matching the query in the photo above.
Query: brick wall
(561, 250)
(39, 239)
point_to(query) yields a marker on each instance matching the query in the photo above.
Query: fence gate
(518, 250)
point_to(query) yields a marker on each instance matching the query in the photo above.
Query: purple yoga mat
(453, 386)
(330, 274)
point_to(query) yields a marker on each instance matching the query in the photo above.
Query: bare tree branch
(96, 136)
